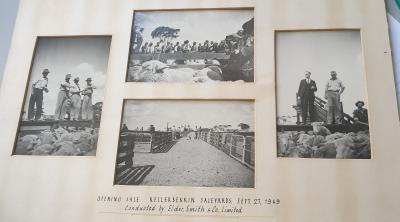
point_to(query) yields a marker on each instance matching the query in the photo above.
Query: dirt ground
(194, 163)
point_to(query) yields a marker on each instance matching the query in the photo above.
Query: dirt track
(194, 163)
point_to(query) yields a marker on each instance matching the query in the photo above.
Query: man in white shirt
(334, 88)
(36, 97)
(63, 96)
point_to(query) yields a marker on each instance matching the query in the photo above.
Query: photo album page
(185, 110)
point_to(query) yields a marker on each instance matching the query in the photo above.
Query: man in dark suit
(306, 96)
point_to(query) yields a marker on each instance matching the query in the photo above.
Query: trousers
(61, 106)
(334, 108)
(35, 99)
(75, 106)
(307, 106)
(87, 109)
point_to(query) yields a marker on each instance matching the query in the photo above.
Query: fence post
(151, 142)
(230, 145)
(244, 149)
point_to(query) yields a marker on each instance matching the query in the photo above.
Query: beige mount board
(55, 188)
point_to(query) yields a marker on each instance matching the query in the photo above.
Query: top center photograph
(192, 45)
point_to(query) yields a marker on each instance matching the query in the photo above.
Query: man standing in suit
(306, 96)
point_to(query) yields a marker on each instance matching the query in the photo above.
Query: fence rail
(321, 113)
(240, 146)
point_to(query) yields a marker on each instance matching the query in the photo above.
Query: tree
(243, 126)
(163, 33)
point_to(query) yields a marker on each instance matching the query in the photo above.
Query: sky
(195, 25)
(80, 56)
(204, 113)
(319, 52)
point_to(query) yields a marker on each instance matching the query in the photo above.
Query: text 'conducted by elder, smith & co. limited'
(177, 205)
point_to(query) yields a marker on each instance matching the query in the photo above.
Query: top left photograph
(64, 97)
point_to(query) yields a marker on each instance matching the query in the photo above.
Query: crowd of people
(73, 102)
(228, 45)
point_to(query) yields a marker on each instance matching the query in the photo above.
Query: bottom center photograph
(198, 143)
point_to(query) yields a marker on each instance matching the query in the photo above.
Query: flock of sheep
(156, 71)
(59, 142)
(321, 143)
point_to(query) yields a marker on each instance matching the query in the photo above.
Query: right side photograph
(321, 95)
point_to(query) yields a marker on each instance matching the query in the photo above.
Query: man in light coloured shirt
(62, 99)
(334, 88)
(36, 97)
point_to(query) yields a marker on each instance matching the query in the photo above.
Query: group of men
(72, 100)
(333, 91)
(228, 45)
(186, 46)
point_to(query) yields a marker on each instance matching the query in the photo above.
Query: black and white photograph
(64, 97)
(198, 143)
(210, 45)
(322, 105)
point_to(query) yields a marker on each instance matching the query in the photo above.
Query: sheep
(43, 149)
(319, 129)
(26, 144)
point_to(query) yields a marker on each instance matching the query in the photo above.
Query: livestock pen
(238, 145)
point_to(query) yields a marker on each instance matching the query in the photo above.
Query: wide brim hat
(76, 78)
(46, 71)
(68, 76)
(89, 79)
(360, 102)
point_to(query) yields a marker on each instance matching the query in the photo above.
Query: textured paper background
(34, 188)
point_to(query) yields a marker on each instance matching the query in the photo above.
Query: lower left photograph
(64, 96)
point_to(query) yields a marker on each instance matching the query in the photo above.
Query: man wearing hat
(185, 46)
(63, 98)
(87, 109)
(138, 39)
(360, 114)
(306, 95)
(36, 97)
(75, 92)
(334, 88)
